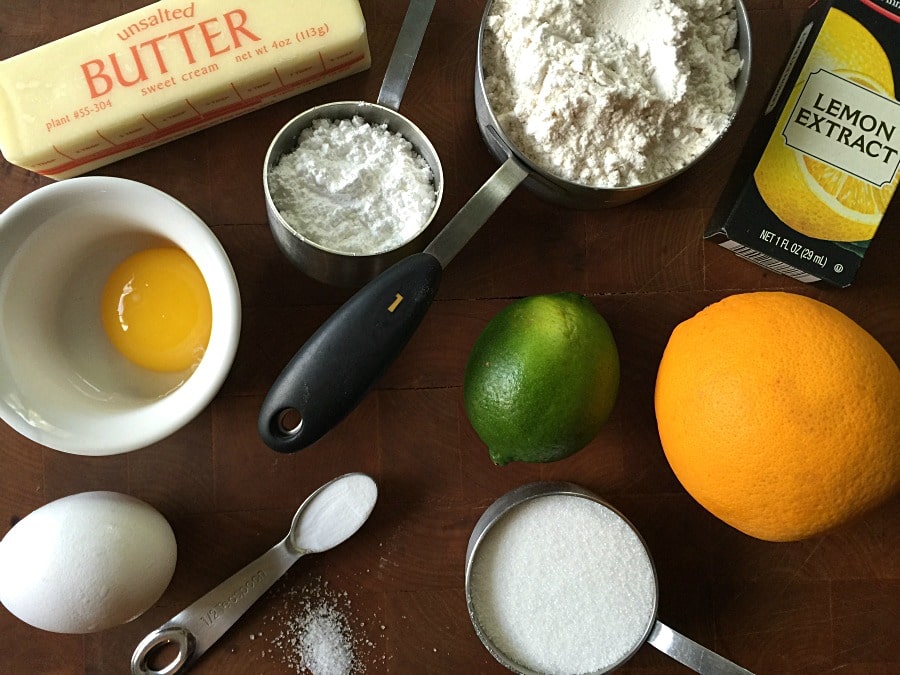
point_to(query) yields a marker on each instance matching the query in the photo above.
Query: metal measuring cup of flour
(518, 169)
(677, 646)
(322, 262)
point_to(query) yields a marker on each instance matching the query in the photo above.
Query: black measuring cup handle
(332, 372)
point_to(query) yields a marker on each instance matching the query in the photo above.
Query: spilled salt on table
(353, 187)
(324, 640)
(316, 630)
(562, 584)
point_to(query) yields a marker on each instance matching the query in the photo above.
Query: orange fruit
(779, 414)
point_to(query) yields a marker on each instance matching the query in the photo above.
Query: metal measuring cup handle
(406, 49)
(691, 654)
(332, 372)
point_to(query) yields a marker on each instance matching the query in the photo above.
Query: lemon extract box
(167, 70)
(821, 165)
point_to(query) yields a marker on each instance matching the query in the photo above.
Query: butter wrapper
(165, 71)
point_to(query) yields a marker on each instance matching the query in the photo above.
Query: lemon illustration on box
(541, 379)
(831, 172)
(821, 166)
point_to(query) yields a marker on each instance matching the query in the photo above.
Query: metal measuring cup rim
(742, 44)
(502, 507)
(287, 137)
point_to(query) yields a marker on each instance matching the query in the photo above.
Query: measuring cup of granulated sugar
(351, 186)
(327, 518)
(558, 582)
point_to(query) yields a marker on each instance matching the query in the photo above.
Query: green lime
(541, 379)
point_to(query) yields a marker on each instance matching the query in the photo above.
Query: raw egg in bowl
(119, 315)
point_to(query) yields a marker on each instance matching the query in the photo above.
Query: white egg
(86, 562)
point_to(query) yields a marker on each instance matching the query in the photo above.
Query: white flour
(353, 188)
(611, 93)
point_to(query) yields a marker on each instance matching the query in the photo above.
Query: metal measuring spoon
(328, 517)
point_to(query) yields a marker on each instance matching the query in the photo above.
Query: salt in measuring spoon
(328, 517)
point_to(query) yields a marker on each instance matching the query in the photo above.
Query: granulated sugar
(562, 585)
(315, 631)
(611, 93)
(353, 187)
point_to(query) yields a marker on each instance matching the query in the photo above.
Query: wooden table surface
(822, 605)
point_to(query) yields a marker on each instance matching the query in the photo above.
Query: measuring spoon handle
(692, 654)
(330, 374)
(196, 628)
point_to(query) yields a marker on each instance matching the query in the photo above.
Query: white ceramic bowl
(62, 384)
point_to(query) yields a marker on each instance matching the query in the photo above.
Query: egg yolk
(156, 310)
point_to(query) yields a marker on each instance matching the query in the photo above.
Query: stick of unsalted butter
(167, 70)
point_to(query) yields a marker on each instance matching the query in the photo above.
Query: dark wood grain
(829, 604)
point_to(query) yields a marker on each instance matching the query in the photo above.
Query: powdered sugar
(353, 187)
(611, 93)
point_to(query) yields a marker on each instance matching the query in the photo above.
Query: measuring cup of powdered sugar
(559, 582)
(351, 186)
(331, 373)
